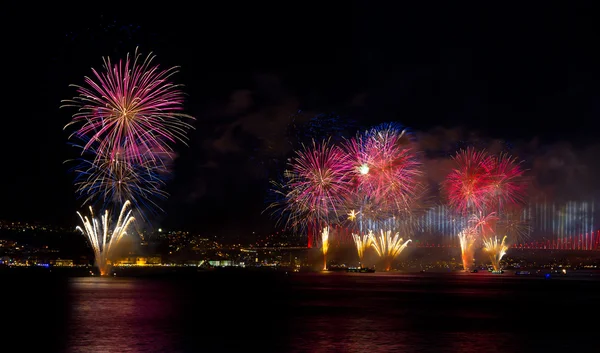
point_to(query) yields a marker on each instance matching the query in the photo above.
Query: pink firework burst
(131, 106)
(468, 184)
(383, 168)
(318, 182)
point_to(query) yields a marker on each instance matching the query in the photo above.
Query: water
(322, 312)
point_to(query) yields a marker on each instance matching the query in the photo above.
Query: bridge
(589, 241)
(585, 242)
(529, 245)
(578, 243)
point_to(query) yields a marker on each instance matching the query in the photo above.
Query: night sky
(527, 76)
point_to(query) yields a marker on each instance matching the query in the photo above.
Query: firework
(277, 202)
(116, 180)
(496, 250)
(325, 246)
(285, 214)
(102, 238)
(515, 223)
(128, 117)
(131, 107)
(388, 247)
(507, 185)
(362, 244)
(468, 184)
(317, 184)
(483, 224)
(467, 239)
(481, 183)
(384, 168)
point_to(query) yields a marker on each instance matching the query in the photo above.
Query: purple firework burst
(130, 107)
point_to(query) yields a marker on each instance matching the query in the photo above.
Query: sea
(245, 311)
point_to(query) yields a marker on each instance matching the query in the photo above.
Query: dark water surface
(321, 312)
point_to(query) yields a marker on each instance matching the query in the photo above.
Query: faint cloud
(239, 102)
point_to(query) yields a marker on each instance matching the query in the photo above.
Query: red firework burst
(483, 182)
(468, 184)
(507, 186)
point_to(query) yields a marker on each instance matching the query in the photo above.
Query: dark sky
(520, 73)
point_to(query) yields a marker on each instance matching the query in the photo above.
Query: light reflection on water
(247, 312)
(125, 315)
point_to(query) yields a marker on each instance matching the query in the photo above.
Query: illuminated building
(138, 261)
(225, 263)
(62, 263)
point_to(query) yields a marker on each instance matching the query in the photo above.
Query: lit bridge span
(584, 242)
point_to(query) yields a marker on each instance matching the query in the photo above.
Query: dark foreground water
(321, 312)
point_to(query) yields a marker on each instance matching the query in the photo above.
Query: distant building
(138, 261)
(225, 263)
(154, 260)
(62, 263)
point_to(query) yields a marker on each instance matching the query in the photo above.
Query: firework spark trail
(101, 238)
(362, 244)
(131, 106)
(325, 246)
(277, 205)
(496, 250)
(114, 180)
(467, 239)
(282, 209)
(516, 224)
(388, 247)
(483, 224)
